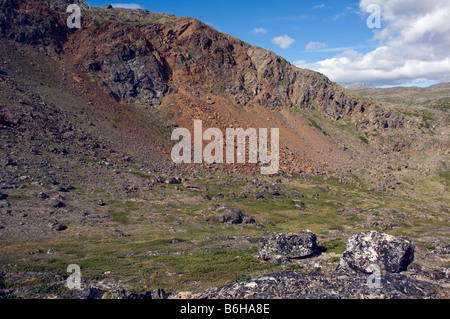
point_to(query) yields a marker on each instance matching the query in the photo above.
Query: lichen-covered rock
(278, 246)
(296, 285)
(391, 254)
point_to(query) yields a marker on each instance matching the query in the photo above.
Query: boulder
(276, 246)
(173, 180)
(56, 203)
(219, 196)
(42, 195)
(235, 216)
(391, 254)
(56, 226)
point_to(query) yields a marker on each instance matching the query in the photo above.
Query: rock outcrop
(234, 216)
(279, 246)
(296, 285)
(391, 254)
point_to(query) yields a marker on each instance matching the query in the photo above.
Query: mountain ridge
(86, 117)
(149, 58)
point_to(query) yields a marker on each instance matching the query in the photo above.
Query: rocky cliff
(190, 71)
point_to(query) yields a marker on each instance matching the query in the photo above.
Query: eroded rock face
(276, 246)
(391, 254)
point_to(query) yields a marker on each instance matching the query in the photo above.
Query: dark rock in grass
(52, 251)
(61, 189)
(219, 196)
(173, 180)
(100, 202)
(56, 203)
(279, 246)
(3, 196)
(56, 226)
(234, 216)
(8, 162)
(297, 193)
(42, 195)
(391, 254)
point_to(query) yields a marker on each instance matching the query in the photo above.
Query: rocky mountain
(186, 69)
(86, 117)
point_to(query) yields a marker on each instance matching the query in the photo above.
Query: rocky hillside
(86, 117)
(186, 70)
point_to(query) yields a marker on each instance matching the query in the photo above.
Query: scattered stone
(173, 180)
(42, 195)
(8, 162)
(299, 204)
(56, 203)
(100, 202)
(219, 196)
(235, 216)
(52, 251)
(281, 246)
(56, 226)
(4, 204)
(391, 254)
(3, 196)
(194, 186)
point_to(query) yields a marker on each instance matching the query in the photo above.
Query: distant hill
(436, 96)
(358, 86)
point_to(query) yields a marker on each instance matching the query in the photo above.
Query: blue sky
(331, 37)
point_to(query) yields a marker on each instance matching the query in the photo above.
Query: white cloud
(320, 6)
(413, 44)
(257, 31)
(300, 63)
(284, 41)
(127, 5)
(313, 45)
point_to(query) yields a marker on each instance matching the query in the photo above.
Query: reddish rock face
(187, 69)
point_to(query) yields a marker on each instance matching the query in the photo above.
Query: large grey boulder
(389, 253)
(279, 246)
